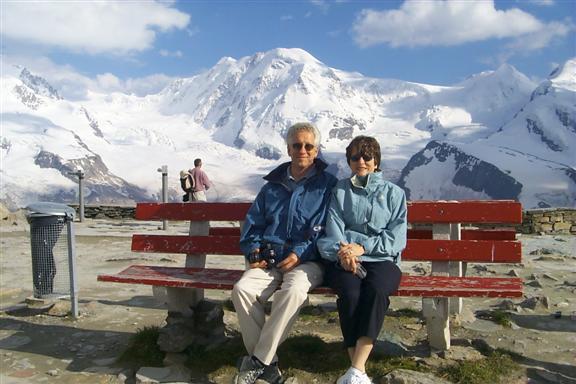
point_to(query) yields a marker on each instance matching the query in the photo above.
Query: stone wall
(545, 221)
(549, 221)
(106, 211)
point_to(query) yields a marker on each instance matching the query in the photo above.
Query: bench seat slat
(468, 211)
(416, 250)
(426, 286)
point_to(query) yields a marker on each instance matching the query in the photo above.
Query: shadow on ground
(67, 343)
(545, 322)
(136, 302)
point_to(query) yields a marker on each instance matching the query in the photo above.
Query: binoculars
(265, 253)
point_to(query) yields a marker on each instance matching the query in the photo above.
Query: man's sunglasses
(364, 157)
(307, 146)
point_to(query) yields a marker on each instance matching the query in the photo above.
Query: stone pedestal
(201, 326)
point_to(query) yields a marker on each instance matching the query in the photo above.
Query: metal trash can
(53, 254)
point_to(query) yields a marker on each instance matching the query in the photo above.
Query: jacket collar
(278, 173)
(374, 179)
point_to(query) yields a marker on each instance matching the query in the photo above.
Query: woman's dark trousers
(362, 303)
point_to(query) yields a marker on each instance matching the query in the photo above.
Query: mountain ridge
(235, 114)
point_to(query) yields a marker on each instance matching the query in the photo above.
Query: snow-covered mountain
(531, 157)
(495, 135)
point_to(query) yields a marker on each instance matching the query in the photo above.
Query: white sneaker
(354, 376)
(345, 378)
(361, 378)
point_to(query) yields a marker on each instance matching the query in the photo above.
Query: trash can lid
(50, 209)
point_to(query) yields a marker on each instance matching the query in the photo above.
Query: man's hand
(289, 263)
(259, 264)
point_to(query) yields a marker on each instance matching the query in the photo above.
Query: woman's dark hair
(365, 145)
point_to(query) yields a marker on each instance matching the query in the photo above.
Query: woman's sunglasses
(307, 146)
(364, 157)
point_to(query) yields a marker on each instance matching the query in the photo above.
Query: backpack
(187, 183)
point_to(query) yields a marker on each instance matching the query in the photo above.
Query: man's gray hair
(303, 127)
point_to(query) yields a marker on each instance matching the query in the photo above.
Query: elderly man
(279, 241)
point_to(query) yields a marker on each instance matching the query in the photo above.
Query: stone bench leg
(183, 299)
(437, 310)
(436, 313)
(456, 268)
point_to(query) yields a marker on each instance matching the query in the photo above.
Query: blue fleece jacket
(373, 216)
(289, 219)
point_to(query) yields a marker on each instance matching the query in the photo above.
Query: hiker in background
(201, 181)
(365, 233)
(279, 241)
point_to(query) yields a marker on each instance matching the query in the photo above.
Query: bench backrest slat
(192, 211)
(467, 234)
(466, 211)
(463, 250)
(416, 250)
(471, 211)
(215, 245)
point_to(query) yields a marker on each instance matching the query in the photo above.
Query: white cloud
(94, 27)
(545, 3)
(107, 83)
(451, 22)
(73, 85)
(540, 39)
(167, 53)
(322, 5)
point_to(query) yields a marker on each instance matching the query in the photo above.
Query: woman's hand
(349, 255)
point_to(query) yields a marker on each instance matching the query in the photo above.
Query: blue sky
(124, 44)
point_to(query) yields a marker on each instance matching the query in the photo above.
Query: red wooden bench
(443, 243)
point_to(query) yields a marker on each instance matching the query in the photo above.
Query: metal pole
(80, 174)
(81, 194)
(164, 171)
(72, 267)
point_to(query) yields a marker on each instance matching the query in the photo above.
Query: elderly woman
(365, 233)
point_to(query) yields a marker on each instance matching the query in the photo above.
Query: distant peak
(39, 84)
(294, 53)
(226, 60)
(505, 73)
(509, 71)
(506, 68)
(565, 74)
(288, 54)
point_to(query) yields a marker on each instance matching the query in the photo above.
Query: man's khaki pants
(263, 336)
(198, 196)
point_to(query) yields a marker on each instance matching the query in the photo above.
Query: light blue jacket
(289, 219)
(373, 216)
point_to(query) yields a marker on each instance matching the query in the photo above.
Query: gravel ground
(45, 346)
